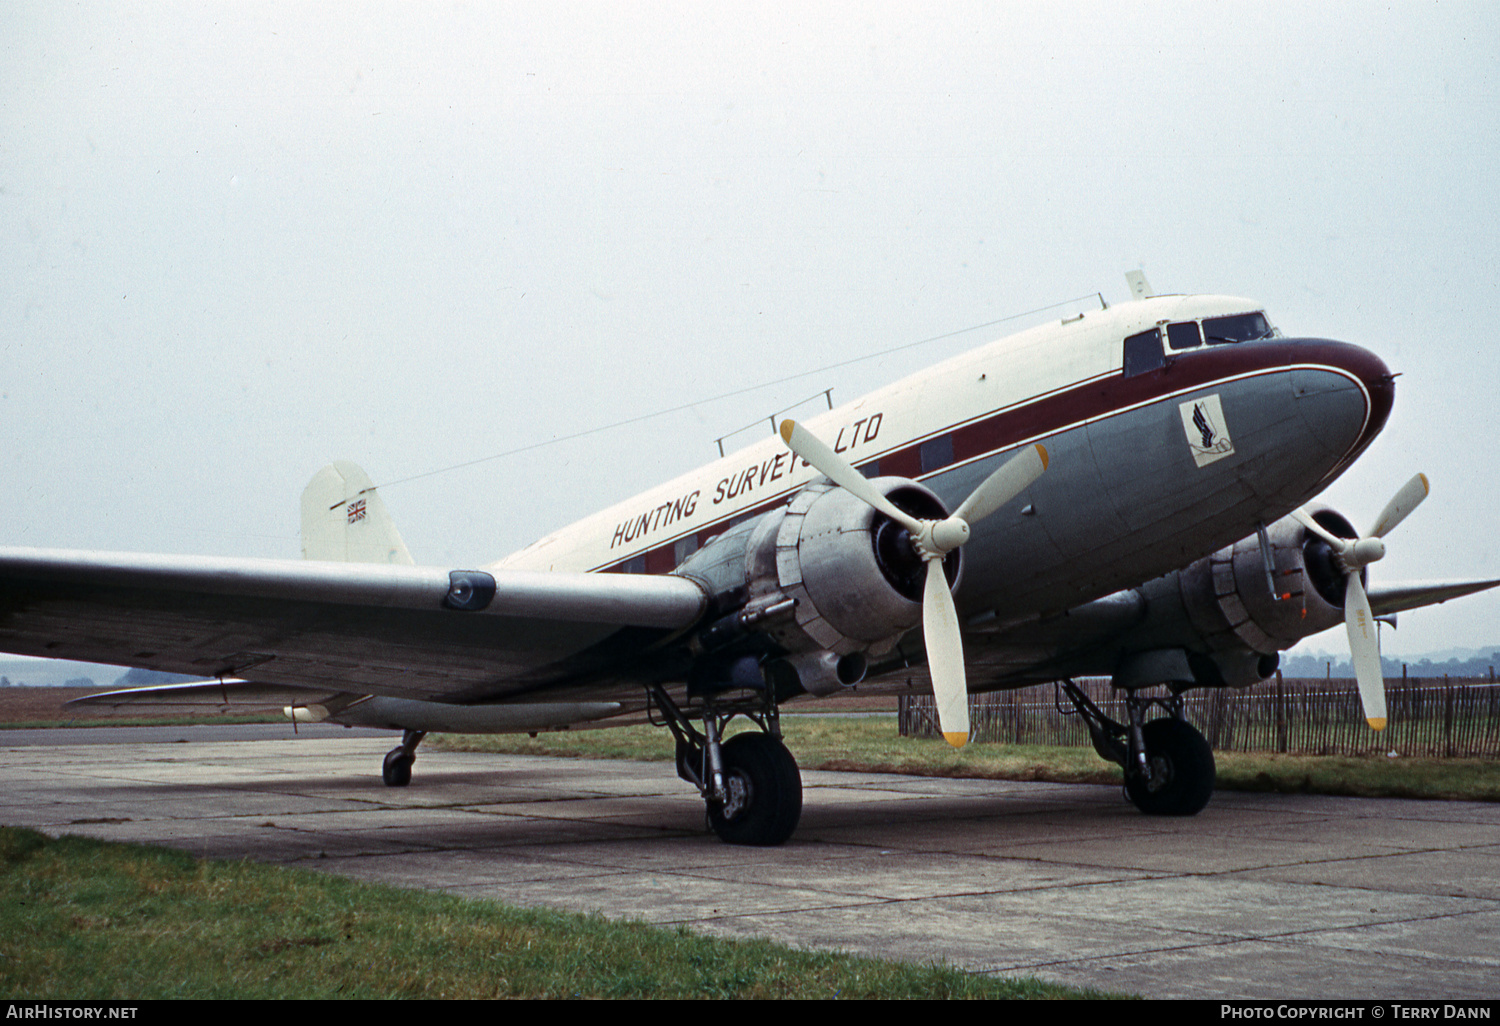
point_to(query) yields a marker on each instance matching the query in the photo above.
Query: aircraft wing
(1400, 596)
(409, 632)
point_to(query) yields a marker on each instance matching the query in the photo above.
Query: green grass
(1372, 776)
(86, 919)
(870, 744)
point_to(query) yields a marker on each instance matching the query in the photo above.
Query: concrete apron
(1259, 896)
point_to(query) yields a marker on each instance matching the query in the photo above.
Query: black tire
(765, 789)
(397, 768)
(1183, 770)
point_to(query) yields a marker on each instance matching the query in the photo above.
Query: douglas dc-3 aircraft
(1122, 493)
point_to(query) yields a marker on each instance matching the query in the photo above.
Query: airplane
(1126, 492)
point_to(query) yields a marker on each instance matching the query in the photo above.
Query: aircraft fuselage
(1156, 460)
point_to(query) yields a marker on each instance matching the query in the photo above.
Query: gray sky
(239, 241)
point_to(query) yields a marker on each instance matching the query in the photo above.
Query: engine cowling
(1233, 606)
(820, 586)
(856, 580)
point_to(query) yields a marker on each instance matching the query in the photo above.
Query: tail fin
(344, 519)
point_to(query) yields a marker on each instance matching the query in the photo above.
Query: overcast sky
(239, 241)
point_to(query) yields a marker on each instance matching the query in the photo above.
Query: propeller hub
(1364, 552)
(949, 534)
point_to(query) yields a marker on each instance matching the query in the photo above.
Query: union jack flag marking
(356, 510)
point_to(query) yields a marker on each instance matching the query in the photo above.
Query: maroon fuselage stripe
(1094, 400)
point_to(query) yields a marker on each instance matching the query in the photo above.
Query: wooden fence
(1446, 718)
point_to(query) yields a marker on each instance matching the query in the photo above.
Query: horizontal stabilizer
(245, 696)
(227, 695)
(1404, 595)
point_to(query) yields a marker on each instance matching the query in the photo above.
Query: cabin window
(1184, 335)
(1143, 353)
(937, 453)
(1248, 327)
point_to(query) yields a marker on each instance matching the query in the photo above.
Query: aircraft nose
(1344, 395)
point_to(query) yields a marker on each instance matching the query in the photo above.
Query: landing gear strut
(397, 767)
(750, 783)
(1169, 766)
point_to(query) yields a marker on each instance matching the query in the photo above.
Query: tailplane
(345, 520)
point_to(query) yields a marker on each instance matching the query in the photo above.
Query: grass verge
(87, 919)
(870, 744)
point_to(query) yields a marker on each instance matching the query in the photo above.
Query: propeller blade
(1302, 517)
(1364, 647)
(1402, 503)
(811, 448)
(945, 655)
(1013, 477)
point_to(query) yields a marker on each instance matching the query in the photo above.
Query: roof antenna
(1140, 288)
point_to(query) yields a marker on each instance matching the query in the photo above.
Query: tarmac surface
(1258, 897)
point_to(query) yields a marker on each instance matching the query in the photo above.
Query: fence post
(1281, 739)
(1447, 717)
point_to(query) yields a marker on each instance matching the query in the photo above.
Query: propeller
(932, 540)
(1354, 554)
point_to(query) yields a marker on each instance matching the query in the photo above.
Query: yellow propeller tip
(1041, 450)
(1376, 724)
(956, 740)
(787, 427)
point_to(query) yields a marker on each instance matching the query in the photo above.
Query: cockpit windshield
(1250, 327)
(1149, 350)
(1218, 331)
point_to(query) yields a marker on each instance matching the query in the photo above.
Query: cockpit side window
(1184, 335)
(1248, 327)
(1143, 353)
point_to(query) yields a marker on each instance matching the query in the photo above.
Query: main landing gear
(1169, 766)
(750, 783)
(397, 767)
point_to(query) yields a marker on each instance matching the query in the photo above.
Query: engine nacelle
(856, 580)
(820, 584)
(1233, 605)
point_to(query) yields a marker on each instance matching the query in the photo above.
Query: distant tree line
(1328, 666)
(140, 678)
(128, 679)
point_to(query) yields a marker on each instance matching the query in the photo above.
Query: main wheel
(397, 768)
(1182, 770)
(765, 792)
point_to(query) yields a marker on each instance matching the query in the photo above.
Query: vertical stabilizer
(344, 519)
